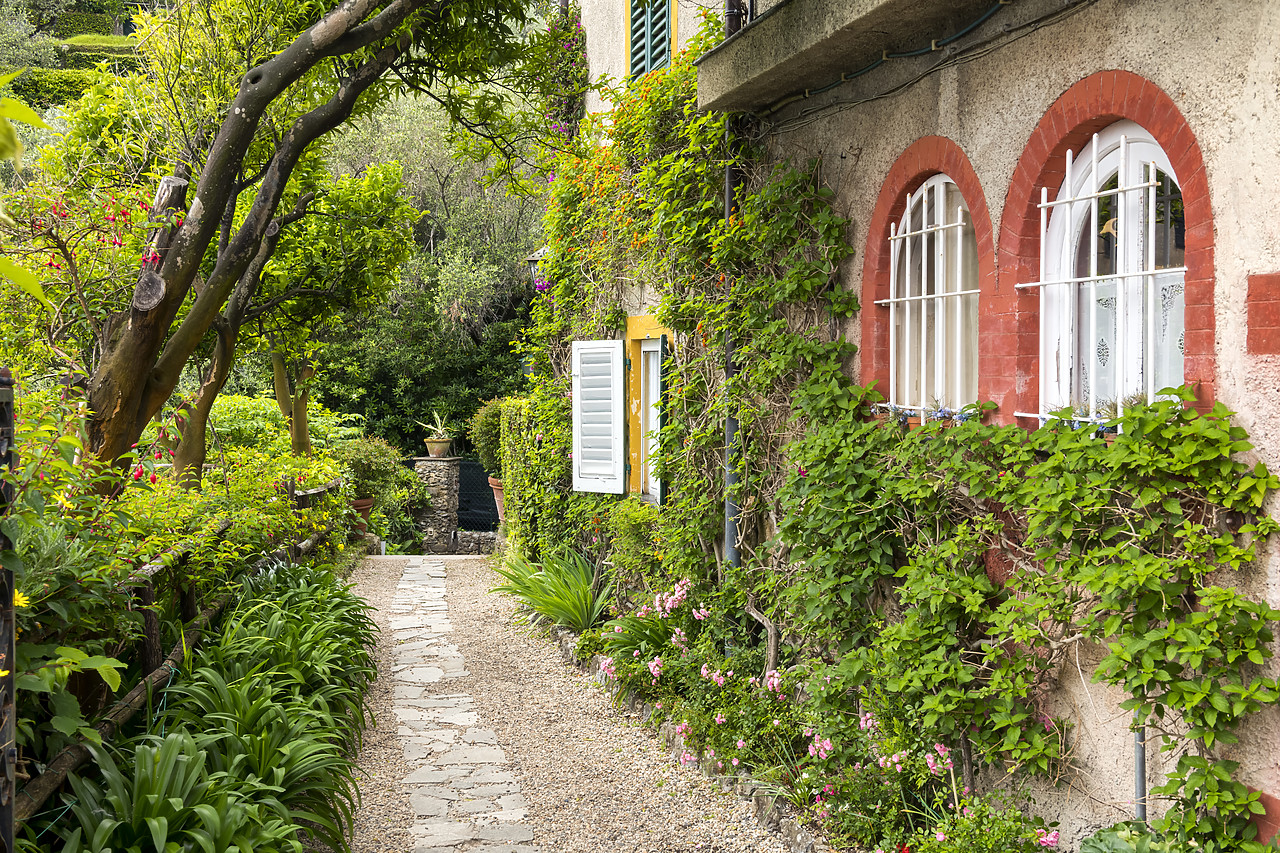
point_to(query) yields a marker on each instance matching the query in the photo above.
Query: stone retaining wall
(439, 522)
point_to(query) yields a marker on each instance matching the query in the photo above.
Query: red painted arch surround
(1084, 109)
(926, 157)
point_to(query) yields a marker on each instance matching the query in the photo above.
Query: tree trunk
(292, 399)
(299, 431)
(188, 460)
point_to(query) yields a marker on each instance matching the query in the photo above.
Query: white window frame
(949, 300)
(599, 417)
(1126, 151)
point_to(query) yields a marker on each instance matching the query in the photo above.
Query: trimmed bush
(89, 60)
(486, 437)
(80, 23)
(117, 45)
(47, 87)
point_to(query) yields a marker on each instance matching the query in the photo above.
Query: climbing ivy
(936, 579)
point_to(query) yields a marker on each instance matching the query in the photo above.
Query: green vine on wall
(938, 579)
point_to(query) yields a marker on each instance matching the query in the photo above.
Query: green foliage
(373, 467)
(633, 528)
(117, 45)
(169, 801)
(1132, 837)
(542, 514)
(120, 63)
(45, 87)
(256, 422)
(21, 44)
(442, 339)
(980, 825)
(74, 550)
(257, 744)
(486, 437)
(82, 23)
(565, 589)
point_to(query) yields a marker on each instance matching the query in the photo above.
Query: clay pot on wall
(439, 447)
(496, 485)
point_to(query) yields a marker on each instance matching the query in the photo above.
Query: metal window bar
(933, 202)
(1122, 275)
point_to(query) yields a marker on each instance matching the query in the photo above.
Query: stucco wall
(1219, 62)
(606, 23)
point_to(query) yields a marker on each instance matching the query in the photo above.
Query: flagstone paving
(462, 795)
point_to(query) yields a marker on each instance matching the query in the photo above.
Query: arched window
(1112, 273)
(933, 302)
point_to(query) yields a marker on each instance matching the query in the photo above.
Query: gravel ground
(383, 819)
(594, 779)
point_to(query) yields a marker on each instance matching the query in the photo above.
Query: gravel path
(592, 778)
(383, 820)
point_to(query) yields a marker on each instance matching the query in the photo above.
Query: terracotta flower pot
(496, 485)
(364, 506)
(439, 446)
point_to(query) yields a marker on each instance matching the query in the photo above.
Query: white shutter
(599, 445)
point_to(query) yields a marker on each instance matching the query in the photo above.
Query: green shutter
(650, 36)
(639, 39)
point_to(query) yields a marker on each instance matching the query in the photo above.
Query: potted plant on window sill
(439, 436)
(486, 437)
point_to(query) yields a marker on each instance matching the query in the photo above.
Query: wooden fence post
(8, 706)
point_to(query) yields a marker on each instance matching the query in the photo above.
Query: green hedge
(46, 87)
(86, 59)
(542, 512)
(118, 45)
(80, 23)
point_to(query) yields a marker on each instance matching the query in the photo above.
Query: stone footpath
(462, 795)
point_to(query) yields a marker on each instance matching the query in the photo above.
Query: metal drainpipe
(732, 556)
(1139, 770)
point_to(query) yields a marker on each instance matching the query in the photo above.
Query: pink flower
(1047, 839)
(941, 836)
(719, 719)
(742, 744)
(734, 762)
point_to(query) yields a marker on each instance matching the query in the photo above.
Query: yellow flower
(20, 599)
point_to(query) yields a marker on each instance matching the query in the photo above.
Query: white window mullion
(924, 306)
(1044, 298)
(1122, 283)
(895, 249)
(942, 307)
(1149, 283)
(1093, 280)
(960, 312)
(909, 321)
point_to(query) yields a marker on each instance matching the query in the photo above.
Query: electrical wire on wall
(812, 115)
